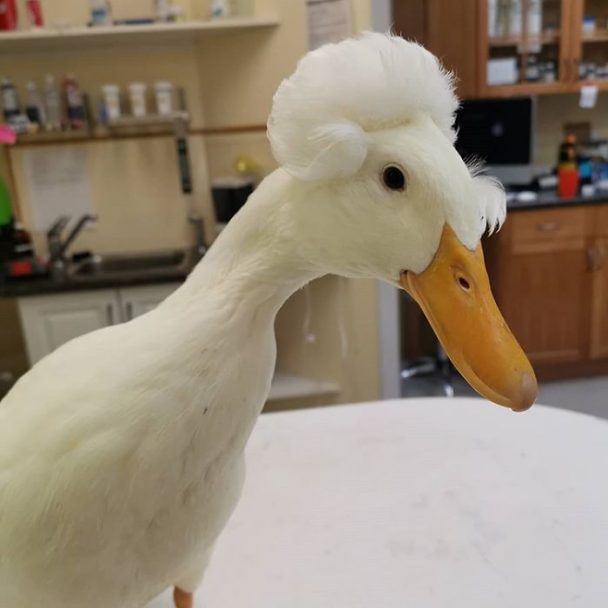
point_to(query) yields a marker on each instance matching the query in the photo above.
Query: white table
(422, 503)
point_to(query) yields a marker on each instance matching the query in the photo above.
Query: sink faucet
(58, 247)
(199, 230)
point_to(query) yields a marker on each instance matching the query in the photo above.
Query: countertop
(18, 288)
(417, 502)
(551, 199)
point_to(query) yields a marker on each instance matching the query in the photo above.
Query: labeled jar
(111, 100)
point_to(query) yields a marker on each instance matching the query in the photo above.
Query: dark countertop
(18, 288)
(550, 199)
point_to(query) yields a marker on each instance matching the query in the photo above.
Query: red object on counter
(34, 13)
(568, 182)
(8, 14)
(21, 268)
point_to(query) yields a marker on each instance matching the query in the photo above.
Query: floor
(587, 395)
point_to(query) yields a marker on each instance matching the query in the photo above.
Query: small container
(74, 102)
(8, 15)
(589, 25)
(111, 101)
(515, 18)
(34, 108)
(220, 8)
(34, 13)
(10, 100)
(137, 97)
(52, 103)
(535, 18)
(101, 13)
(163, 10)
(163, 93)
(532, 69)
(492, 17)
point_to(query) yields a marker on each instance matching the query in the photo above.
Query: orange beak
(454, 294)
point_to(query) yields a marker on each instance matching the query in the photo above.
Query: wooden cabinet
(599, 305)
(541, 43)
(549, 271)
(49, 321)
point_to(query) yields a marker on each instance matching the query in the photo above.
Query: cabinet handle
(548, 226)
(129, 310)
(110, 314)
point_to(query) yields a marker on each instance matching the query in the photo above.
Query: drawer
(548, 226)
(601, 227)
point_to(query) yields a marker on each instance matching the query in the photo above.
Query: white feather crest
(492, 201)
(320, 114)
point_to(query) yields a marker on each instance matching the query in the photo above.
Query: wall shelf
(126, 35)
(545, 38)
(290, 386)
(600, 35)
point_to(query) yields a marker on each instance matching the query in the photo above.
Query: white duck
(121, 454)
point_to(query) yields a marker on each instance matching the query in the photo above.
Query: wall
(554, 111)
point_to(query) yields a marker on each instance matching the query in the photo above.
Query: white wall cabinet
(51, 320)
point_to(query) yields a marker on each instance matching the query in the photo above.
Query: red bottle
(8, 15)
(34, 13)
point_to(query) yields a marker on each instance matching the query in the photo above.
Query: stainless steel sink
(130, 264)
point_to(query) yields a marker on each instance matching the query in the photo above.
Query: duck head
(365, 129)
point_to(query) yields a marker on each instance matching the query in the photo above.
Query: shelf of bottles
(524, 42)
(593, 61)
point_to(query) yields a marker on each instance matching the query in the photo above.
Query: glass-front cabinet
(590, 42)
(526, 45)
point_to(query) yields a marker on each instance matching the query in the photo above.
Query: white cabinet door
(51, 320)
(136, 301)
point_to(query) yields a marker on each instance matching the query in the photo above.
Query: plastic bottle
(34, 13)
(74, 102)
(52, 102)
(111, 101)
(10, 100)
(535, 18)
(567, 170)
(8, 15)
(163, 92)
(34, 108)
(137, 97)
(515, 18)
(101, 13)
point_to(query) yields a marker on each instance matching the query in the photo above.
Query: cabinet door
(525, 46)
(599, 300)
(544, 300)
(589, 49)
(137, 301)
(50, 321)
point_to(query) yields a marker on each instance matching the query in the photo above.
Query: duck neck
(256, 263)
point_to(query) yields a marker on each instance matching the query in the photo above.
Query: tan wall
(556, 110)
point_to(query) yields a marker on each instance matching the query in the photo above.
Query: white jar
(163, 91)
(137, 97)
(111, 100)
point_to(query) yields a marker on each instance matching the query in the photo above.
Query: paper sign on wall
(328, 21)
(58, 183)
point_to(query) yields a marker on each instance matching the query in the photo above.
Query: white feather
(375, 82)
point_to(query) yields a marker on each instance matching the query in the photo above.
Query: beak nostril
(464, 283)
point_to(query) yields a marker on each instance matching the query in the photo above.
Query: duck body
(121, 453)
(116, 479)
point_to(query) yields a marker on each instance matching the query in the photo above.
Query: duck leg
(183, 599)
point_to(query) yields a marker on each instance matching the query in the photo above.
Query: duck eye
(393, 178)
